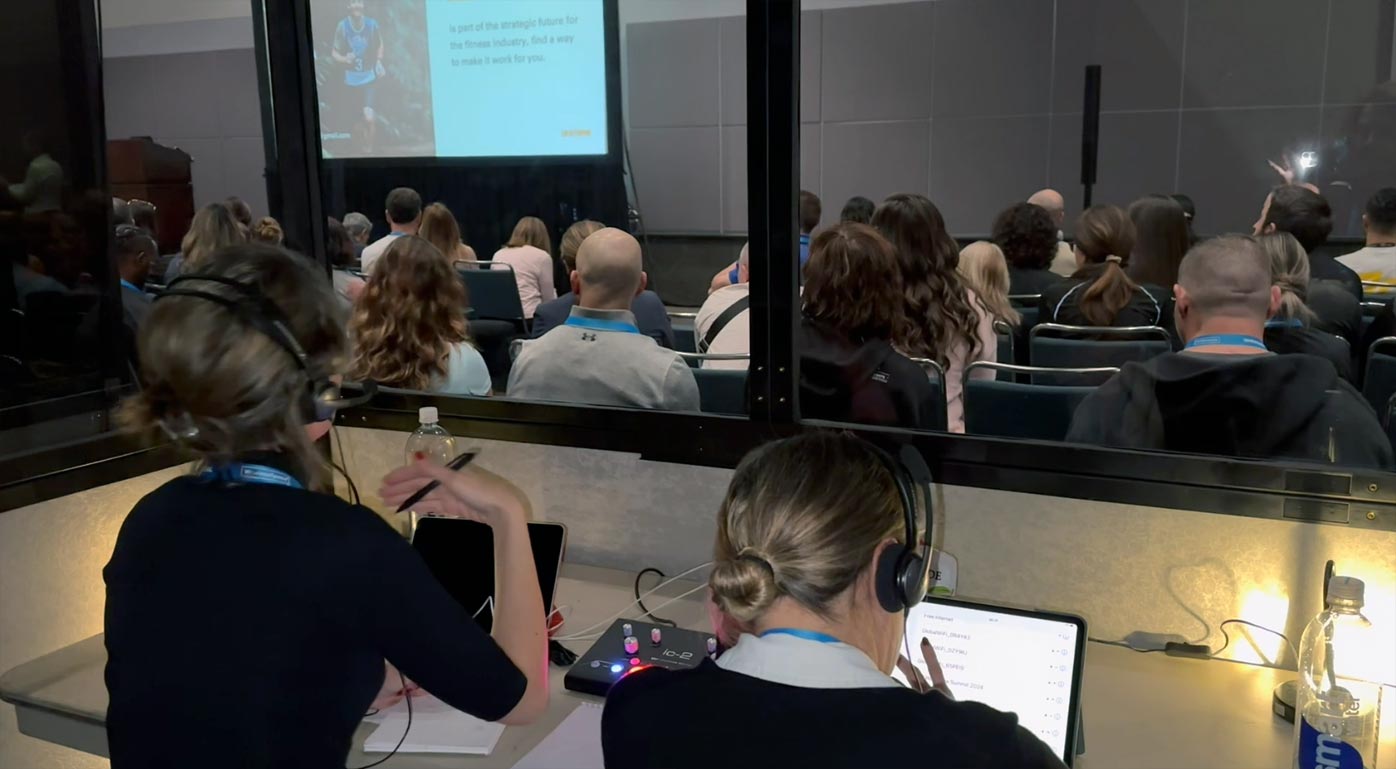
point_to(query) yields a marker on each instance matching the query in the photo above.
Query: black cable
(1122, 645)
(1222, 627)
(408, 696)
(339, 449)
(644, 611)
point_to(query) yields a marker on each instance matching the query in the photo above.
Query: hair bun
(744, 587)
(1113, 259)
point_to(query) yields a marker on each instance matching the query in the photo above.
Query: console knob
(627, 630)
(712, 646)
(655, 636)
(632, 644)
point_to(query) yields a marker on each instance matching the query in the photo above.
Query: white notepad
(574, 744)
(436, 728)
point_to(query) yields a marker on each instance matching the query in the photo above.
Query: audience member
(530, 253)
(1189, 213)
(143, 215)
(1226, 393)
(121, 212)
(213, 228)
(810, 211)
(1028, 237)
(339, 247)
(1290, 329)
(853, 304)
(599, 356)
(1100, 292)
(267, 230)
(360, 229)
(334, 590)
(808, 536)
(1376, 260)
(1306, 215)
(1160, 240)
(985, 272)
(439, 228)
(858, 209)
(723, 323)
(135, 253)
(408, 325)
(404, 212)
(241, 212)
(940, 319)
(41, 190)
(1063, 260)
(650, 313)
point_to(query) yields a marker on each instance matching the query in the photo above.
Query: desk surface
(1140, 710)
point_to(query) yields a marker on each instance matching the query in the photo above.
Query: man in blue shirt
(810, 211)
(358, 45)
(135, 253)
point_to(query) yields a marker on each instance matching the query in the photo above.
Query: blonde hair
(1289, 269)
(530, 231)
(803, 518)
(409, 317)
(572, 240)
(268, 230)
(221, 387)
(984, 269)
(213, 228)
(439, 228)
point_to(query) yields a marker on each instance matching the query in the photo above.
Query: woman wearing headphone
(812, 574)
(249, 611)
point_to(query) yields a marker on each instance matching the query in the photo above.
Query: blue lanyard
(1291, 323)
(808, 635)
(237, 472)
(1227, 340)
(598, 324)
(132, 286)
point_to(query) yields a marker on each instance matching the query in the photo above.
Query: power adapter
(1180, 649)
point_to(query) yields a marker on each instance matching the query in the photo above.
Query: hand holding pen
(454, 492)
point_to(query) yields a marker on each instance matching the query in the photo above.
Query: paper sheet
(574, 744)
(436, 728)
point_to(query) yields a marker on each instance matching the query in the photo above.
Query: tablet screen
(460, 554)
(1027, 663)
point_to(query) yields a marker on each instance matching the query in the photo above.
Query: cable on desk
(1227, 636)
(407, 696)
(1122, 645)
(639, 600)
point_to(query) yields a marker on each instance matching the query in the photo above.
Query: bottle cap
(427, 415)
(1345, 589)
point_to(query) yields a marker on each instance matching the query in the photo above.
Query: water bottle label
(1322, 751)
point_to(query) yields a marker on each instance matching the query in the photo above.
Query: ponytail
(1109, 293)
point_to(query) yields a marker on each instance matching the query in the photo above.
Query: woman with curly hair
(409, 328)
(1028, 237)
(942, 319)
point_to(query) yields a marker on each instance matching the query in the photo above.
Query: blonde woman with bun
(807, 680)
(985, 270)
(247, 591)
(1101, 292)
(1292, 330)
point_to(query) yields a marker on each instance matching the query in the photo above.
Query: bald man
(1225, 393)
(599, 356)
(1064, 263)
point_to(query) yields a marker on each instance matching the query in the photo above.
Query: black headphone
(322, 397)
(903, 570)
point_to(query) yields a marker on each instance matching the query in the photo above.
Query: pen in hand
(455, 465)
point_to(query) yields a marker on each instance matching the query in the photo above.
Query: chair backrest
(935, 374)
(695, 359)
(1056, 346)
(492, 291)
(721, 391)
(1377, 288)
(1005, 334)
(1011, 409)
(685, 338)
(1379, 381)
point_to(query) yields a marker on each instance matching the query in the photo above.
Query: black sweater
(246, 626)
(865, 382)
(709, 717)
(1254, 406)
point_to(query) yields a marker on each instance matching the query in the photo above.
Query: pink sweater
(533, 270)
(959, 360)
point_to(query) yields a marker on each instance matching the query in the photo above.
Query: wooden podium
(140, 169)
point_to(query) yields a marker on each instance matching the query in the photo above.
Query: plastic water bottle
(1336, 727)
(430, 440)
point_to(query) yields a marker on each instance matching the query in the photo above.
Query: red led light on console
(634, 661)
(635, 669)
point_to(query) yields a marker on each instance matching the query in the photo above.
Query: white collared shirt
(794, 661)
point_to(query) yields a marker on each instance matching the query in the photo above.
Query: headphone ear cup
(889, 578)
(314, 407)
(912, 579)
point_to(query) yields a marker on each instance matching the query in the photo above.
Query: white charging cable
(581, 635)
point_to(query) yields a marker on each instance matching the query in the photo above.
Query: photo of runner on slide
(359, 46)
